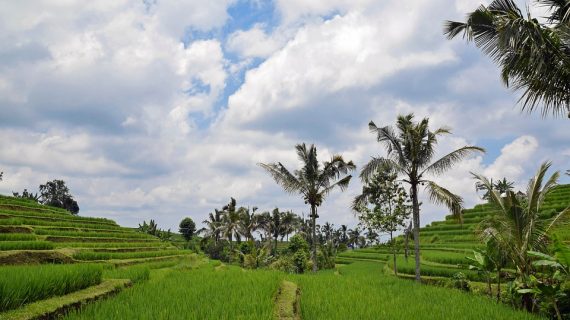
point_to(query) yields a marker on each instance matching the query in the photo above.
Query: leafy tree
(314, 181)
(517, 227)
(150, 228)
(56, 194)
(27, 195)
(410, 153)
(383, 205)
(534, 57)
(187, 228)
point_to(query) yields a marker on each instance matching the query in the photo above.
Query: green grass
(135, 273)
(89, 255)
(96, 234)
(446, 257)
(43, 222)
(203, 293)
(361, 291)
(55, 217)
(25, 245)
(17, 237)
(119, 244)
(24, 284)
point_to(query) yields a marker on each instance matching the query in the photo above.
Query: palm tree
(247, 222)
(313, 181)
(517, 228)
(503, 186)
(328, 230)
(533, 57)
(213, 225)
(289, 224)
(410, 154)
(276, 226)
(231, 222)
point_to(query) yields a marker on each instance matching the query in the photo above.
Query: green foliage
(298, 243)
(187, 228)
(24, 284)
(56, 194)
(459, 281)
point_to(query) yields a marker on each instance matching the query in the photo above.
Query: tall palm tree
(410, 153)
(314, 181)
(231, 222)
(533, 57)
(517, 227)
(289, 222)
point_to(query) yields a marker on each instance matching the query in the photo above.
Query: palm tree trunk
(314, 242)
(394, 253)
(489, 285)
(416, 221)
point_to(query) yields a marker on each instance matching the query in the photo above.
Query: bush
(459, 281)
(300, 261)
(217, 251)
(296, 243)
(285, 264)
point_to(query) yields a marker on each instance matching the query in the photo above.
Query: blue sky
(161, 109)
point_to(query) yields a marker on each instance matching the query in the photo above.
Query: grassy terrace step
(97, 239)
(20, 285)
(26, 245)
(119, 244)
(17, 237)
(19, 257)
(90, 255)
(83, 221)
(42, 222)
(94, 234)
(68, 217)
(56, 228)
(29, 205)
(51, 308)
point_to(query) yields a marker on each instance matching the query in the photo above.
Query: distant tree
(503, 186)
(27, 195)
(1, 175)
(231, 222)
(150, 228)
(410, 152)
(248, 222)
(56, 194)
(212, 231)
(314, 181)
(187, 228)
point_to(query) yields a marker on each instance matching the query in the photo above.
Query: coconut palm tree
(213, 226)
(410, 153)
(534, 57)
(247, 222)
(517, 228)
(289, 223)
(502, 186)
(231, 222)
(314, 181)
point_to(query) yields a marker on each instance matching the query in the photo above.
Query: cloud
(253, 43)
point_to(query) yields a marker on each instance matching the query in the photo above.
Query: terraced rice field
(446, 244)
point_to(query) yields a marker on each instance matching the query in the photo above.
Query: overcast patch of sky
(149, 112)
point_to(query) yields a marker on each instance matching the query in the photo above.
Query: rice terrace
(285, 159)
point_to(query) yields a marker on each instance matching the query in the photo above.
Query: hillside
(446, 244)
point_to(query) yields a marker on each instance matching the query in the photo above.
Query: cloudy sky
(161, 109)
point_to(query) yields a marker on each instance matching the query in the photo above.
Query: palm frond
(376, 163)
(441, 195)
(283, 177)
(446, 162)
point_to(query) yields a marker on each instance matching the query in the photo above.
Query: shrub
(459, 281)
(300, 260)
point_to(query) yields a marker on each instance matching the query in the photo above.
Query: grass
(44, 222)
(49, 308)
(17, 237)
(89, 255)
(361, 291)
(20, 285)
(193, 294)
(96, 234)
(119, 244)
(135, 273)
(25, 245)
(55, 217)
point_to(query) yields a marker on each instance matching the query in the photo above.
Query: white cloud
(254, 43)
